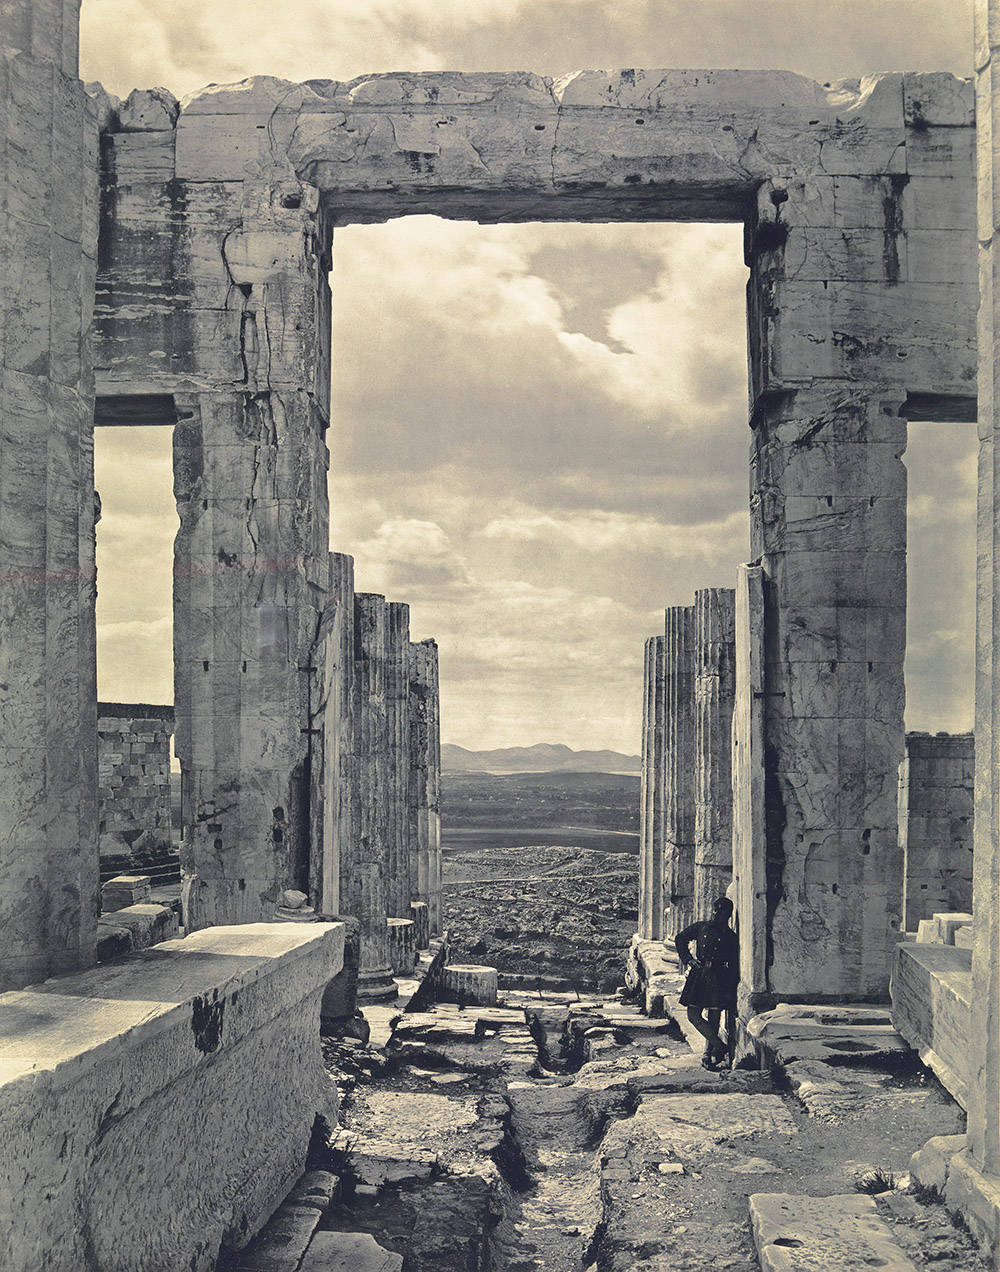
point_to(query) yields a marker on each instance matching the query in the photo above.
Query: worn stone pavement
(556, 1135)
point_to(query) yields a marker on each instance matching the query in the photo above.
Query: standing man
(713, 976)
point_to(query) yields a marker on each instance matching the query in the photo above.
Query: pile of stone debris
(554, 1133)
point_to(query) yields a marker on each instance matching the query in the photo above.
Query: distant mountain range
(541, 758)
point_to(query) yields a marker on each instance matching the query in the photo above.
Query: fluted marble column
(367, 897)
(715, 623)
(334, 808)
(397, 781)
(679, 751)
(425, 776)
(651, 795)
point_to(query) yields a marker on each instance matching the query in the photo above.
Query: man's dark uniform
(717, 948)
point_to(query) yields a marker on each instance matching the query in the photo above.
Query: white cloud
(600, 531)
(186, 44)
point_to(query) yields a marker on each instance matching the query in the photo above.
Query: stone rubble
(597, 1141)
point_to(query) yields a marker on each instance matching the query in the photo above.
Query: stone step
(838, 1234)
(349, 1252)
(840, 1036)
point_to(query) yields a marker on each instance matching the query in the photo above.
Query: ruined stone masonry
(857, 200)
(935, 824)
(133, 761)
(166, 263)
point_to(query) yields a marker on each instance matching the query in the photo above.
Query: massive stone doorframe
(857, 200)
(215, 240)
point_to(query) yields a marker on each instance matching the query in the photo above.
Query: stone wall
(133, 762)
(935, 824)
(157, 1110)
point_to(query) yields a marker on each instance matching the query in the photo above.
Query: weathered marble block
(932, 1009)
(133, 928)
(124, 890)
(154, 1110)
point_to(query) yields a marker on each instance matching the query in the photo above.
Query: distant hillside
(541, 758)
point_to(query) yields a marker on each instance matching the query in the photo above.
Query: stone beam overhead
(861, 188)
(635, 144)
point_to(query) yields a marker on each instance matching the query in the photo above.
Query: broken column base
(376, 985)
(402, 946)
(469, 984)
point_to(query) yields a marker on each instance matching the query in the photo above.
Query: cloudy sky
(539, 433)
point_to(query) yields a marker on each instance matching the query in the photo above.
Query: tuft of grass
(926, 1194)
(874, 1181)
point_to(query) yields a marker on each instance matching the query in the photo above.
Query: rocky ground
(562, 1135)
(555, 912)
